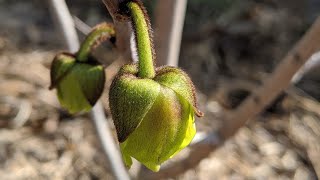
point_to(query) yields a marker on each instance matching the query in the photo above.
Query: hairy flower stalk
(141, 26)
(153, 108)
(79, 78)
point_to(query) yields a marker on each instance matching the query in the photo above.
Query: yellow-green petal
(60, 66)
(179, 81)
(81, 87)
(130, 99)
(71, 95)
(91, 79)
(166, 129)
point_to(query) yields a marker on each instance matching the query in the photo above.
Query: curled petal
(167, 128)
(91, 79)
(81, 87)
(61, 65)
(71, 95)
(180, 82)
(130, 99)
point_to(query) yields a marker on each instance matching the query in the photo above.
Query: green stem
(143, 40)
(98, 35)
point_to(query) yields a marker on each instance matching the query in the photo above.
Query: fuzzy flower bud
(154, 118)
(79, 84)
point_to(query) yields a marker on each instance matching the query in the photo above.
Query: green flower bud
(154, 118)
(78, 77)
(79, 84)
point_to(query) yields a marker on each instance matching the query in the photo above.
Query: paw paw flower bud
(154, 118)
(79, 85)
(152, 109)
(79, 78)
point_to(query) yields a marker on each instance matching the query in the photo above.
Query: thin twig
(62, 17)
(23, 114)
(168, 31)
(81, 26)
(107, 142)
(252, 106)
(122, 27)
(279, 80)
(61, 13)
(312, 63)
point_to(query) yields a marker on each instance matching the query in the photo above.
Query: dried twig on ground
(304, 129)
(61, 13)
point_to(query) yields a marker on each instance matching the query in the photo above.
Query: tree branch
(64, 20)
(107, 142)
(311, 64)
(62, 17)
(122, 27)
(170, 16)
(279, 80)
(252, 106)
(81, 26)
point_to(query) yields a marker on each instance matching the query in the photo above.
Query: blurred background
(228, 47)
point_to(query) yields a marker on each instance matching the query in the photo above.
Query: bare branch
(107, 142)
(168, 31)
(122, 27)
(252, 106)
(64, 20)
(113, 6)
(276, 83)
(311, 64)
(81, 26)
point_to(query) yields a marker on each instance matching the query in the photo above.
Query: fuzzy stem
(99, 34)
(143, 40)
